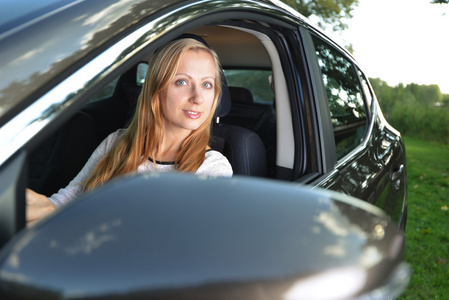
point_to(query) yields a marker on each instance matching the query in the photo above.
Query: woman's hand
(38, 207)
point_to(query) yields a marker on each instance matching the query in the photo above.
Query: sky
(401, 41)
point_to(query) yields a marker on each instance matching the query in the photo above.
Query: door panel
(12, 197)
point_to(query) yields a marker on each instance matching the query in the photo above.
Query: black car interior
(244, 131)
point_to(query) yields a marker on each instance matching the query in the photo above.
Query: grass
(427, 228)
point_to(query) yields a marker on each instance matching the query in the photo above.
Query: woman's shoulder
(116, 134)
(213, 153)
(112, 138)
(216, 164)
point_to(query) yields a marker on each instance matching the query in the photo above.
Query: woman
(169, 132)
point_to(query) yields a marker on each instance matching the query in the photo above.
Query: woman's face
(188, 99)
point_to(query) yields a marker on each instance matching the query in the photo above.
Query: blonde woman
(169, 132)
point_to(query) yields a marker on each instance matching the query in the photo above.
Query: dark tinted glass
(366, 89)
(345, 98)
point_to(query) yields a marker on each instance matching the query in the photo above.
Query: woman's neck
(170, 147)
(167, 155)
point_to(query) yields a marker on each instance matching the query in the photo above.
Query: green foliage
(427, 237)
(445, 101)
(421, 121)
(330, 12)
(415, 110)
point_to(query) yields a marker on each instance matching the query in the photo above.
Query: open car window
(256, 81)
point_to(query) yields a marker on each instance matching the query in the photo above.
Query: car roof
(15, 13)
(42, 42)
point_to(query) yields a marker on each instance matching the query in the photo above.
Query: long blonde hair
(143, 137)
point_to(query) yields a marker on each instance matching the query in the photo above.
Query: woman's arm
(38, 206)
(75, 187)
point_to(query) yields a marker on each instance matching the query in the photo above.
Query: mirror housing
(178, 236)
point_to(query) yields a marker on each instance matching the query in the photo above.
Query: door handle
(395, 176)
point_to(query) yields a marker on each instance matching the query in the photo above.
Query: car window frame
(331, 165)
(290, 153)
(104, 67)
(354, 93)
(320, 120)
(13, 179)
(367, 107)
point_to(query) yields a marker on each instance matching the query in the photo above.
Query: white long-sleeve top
(214, 164)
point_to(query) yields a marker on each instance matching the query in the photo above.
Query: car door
(12, 197)
(361, 154)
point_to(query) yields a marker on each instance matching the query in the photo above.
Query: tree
(425, 94)
(329, 12)
(439, 1)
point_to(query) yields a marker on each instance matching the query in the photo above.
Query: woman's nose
(196, 96)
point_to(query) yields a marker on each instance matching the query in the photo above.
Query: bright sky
(401, 41)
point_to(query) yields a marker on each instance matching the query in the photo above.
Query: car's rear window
(256, 81)
(344, 95)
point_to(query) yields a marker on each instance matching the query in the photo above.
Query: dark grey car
(297, 114)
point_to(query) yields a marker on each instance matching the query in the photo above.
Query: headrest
(241, 94)
(224, 105)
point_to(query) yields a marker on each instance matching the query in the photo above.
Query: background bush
(420, 111)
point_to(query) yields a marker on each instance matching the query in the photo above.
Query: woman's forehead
(194, 61)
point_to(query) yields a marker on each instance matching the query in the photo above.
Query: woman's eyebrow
(185, 74)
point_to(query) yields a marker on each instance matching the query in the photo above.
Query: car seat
(242, 147)
(257, 117)
(62, 155)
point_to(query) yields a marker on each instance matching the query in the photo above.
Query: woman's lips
(192, 114)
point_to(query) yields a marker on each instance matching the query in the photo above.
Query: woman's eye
(208, 85)
(181, 82)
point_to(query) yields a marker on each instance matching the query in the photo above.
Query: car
(317, 205)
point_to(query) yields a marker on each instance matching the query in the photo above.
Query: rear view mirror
(175, 236)
(141, 73)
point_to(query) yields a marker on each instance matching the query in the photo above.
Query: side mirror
(177, 236)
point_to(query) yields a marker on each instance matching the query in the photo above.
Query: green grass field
(427, 229)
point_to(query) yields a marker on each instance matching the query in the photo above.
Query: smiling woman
(169, 132)
(189, 99)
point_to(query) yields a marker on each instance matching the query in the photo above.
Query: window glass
(257, 81)
(366, 90)
(345, 98)
(106, 92)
